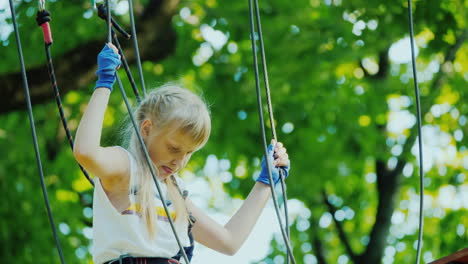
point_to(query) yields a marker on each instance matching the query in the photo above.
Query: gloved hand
(279, 160)
(108, 62)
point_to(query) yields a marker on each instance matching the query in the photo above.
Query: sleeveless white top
(118, 233)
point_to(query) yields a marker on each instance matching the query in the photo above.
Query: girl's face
(170, 150)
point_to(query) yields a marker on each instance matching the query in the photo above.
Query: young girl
(129, 223)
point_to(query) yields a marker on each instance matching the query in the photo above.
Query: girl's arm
(110, 164)
(229, 238)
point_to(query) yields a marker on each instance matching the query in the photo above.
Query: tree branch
(317, 243)
(341, 233)
(384, 65)
(75, 70)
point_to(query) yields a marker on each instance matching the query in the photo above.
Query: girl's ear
(146, 127)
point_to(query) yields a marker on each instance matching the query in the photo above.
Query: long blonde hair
(169, 106)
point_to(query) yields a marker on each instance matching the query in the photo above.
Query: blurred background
(343, 95)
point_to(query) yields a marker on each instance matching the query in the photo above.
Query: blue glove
(108, 61)
(263, 178)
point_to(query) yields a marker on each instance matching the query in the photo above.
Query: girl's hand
(279, 160)
(108, 63)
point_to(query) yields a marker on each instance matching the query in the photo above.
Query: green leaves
(332, 85)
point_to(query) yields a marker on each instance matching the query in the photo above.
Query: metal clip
(41, 5)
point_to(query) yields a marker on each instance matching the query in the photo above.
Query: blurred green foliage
(331, 98)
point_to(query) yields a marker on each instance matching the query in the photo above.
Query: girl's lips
(167, 170)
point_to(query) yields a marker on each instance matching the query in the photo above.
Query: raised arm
(229, 238)
(110, 164)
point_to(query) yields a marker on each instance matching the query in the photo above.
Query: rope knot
(42, 17)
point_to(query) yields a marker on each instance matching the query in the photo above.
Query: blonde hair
(170, 108)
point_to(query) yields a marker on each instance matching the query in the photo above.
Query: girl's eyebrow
(176, 145)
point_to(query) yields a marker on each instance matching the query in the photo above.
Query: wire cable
(420, 143)
(126, 67)
(50, 68)
(260, 113)
(33, 132)
(270, 112)
(135, 45)
(109, 22)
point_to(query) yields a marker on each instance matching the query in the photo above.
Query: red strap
(47, 33)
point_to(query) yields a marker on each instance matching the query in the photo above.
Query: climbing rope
(33, 130)
(135, 46)
(143, 146)
(116, 42)
(260, 113)
(43, 19)
(102, 12)
(420, 143)
(270, 112)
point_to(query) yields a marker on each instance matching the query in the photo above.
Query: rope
(102, 13)
(135, 45)
(143, 146)
(109, 23)
(260, 113)
(33, 132)
(126, 67)
(420, 147)
(270, 112)
(60, 108)
(43, 18)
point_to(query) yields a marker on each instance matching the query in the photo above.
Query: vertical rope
(33, 132)
(270, 112)
(109, 23)
(50, 68)
(420, 143)
(135, 45)
(126, 67)
(260, 113)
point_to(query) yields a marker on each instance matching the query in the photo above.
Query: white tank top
(118, 233)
